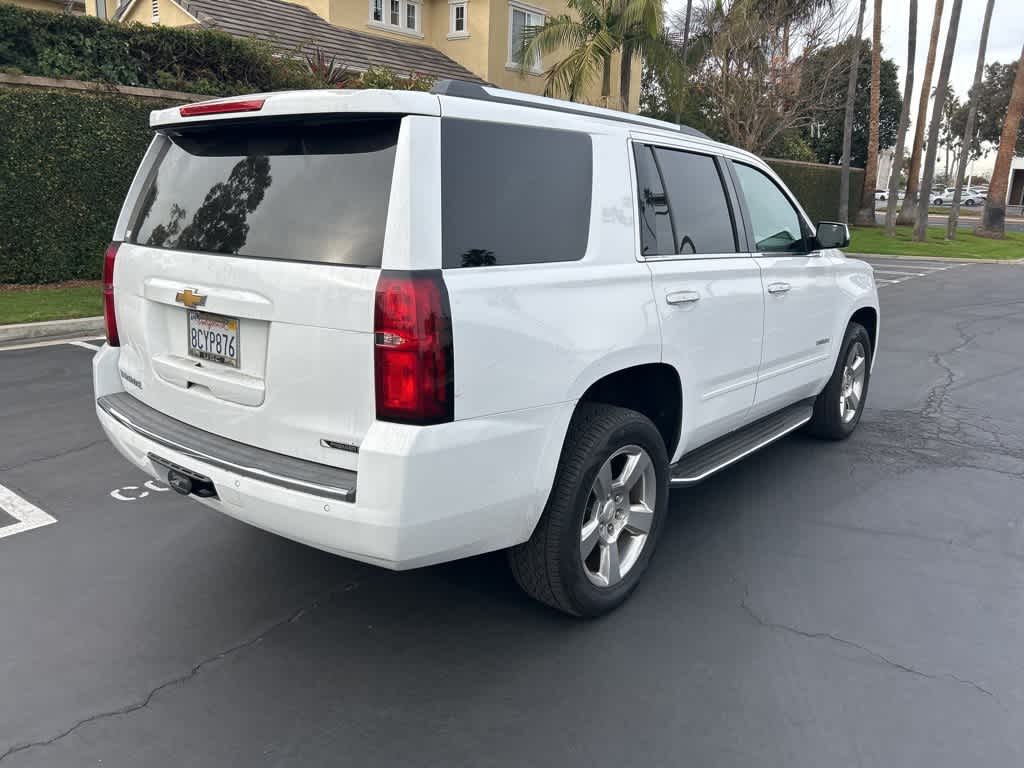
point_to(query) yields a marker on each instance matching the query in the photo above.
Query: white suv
(413, 327)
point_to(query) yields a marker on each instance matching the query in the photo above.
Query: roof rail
(466, 90)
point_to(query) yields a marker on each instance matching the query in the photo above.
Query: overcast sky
(1004, 42)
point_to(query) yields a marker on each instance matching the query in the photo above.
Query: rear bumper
(425, 495)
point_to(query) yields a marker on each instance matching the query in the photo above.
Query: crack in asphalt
(57, 455)
(179, 679)
(885, 660)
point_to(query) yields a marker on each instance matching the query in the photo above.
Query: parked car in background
(969, 196)
(413, 327)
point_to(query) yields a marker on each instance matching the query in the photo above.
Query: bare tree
(907, 212)
(993, 218)
(866, 213)
(941, 87)
(757, 93)
(901, 133)
(972, 116)
(851, 94)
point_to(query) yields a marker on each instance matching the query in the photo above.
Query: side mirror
(831, 234)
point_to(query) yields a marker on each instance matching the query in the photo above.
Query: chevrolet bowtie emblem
(190, 299)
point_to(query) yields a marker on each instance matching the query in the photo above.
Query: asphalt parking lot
(815, 605)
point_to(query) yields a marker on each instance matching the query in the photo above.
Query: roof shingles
(291, 27)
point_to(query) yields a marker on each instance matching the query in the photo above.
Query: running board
(720, 453)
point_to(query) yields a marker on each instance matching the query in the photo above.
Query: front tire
(603, 519)
(838, 409)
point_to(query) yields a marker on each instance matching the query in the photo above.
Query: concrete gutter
(54, 329)
(950, 259)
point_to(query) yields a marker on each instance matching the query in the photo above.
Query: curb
(54, 329)
(950, 259)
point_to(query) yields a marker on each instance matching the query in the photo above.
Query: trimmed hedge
(194, 60)
(66, 162)
(817, 186)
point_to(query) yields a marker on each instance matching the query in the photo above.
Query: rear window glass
(513, 194)
(300, 191)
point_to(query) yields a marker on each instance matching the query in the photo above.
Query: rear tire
(569, 557)
(838, 409)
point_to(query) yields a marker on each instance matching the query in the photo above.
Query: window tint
(700, 212)
(513, 194)
(775, 221)
(302, 191)
(656, 237)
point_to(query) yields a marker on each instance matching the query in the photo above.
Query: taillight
(220, 107)
(413, 351)
(109, 316)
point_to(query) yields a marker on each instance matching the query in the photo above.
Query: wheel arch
(868, 317)
(653, 389)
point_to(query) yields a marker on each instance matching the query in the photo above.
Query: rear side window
(513, 194)
(682, 203)
(300, 191)
(656, 238)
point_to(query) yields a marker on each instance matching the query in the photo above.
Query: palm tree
(851, 94)
(993, 218)
(972, 115)
(941, 88)
(907, 212)
(901, 133)
(866, 214)
(592, 36)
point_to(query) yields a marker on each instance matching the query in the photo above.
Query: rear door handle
(778, 287)
(682, 297)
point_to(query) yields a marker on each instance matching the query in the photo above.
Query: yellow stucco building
(477, 38)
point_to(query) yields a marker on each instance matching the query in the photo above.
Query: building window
(397, 15)
(520, 19)
(459, 26)
(155, 11)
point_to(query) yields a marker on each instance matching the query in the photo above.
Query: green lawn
(966, 246)
(50, 303)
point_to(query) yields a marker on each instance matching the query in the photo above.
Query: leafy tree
(590, 37)
(993, 100)
(825, 134)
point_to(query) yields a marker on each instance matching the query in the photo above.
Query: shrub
(817, 186)
(194, 60)
(66, 162)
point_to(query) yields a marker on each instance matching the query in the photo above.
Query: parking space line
(84, 345)
(52, 343)
(28, 515)
(904, 274)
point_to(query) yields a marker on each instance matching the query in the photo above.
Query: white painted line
(84, 345)
(27, 515)
(910, 265)
(894, 272)
(53, 343)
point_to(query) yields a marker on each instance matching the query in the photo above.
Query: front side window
(513, 194)
(310, 191)
(520, 20)
(775, 221)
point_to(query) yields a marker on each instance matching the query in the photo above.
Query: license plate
(213, 337)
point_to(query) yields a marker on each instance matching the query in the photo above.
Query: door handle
(775, 288)
(682, 297)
